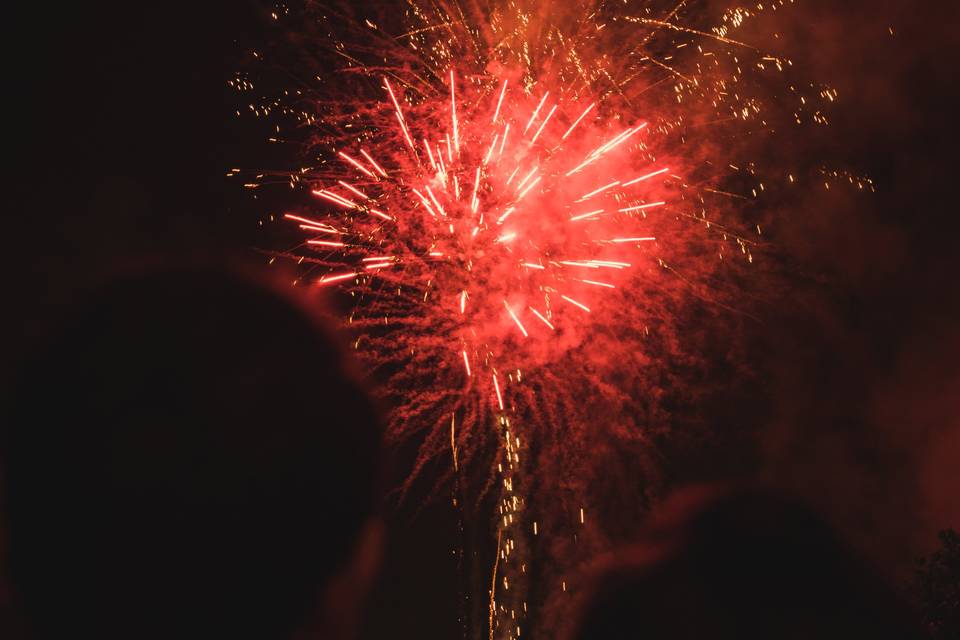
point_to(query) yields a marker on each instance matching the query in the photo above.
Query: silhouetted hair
(187, 458)
(746, 565)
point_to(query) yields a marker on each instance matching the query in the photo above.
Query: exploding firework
(511, 240)
(526, 203)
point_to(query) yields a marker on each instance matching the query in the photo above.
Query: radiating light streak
(545, 321)
(403, 124)
(426, 203)
(406, 133)
(496, 387)
(355, 163)
(433, 163)
(642, 207)
(505, 215)
(453, 107)
(516, 319)
(310, 227)
(577, 121)
(608, 146)
(529, 187)
(535, 112)
(332, 197)
(443, 169)
(347, 185)
(496, 112)
(493, 144)
(475, 201)
(503, 141)
(644, 239)
(466, 363)
(596, 191)
(527, 177)
(380, 214)
(589, 214)
(626, 135)
(373, 162)
(599, 284)
(609, 263)
(436, 202)
(574, 302)
(463, 301)
(336, 278)
(507, 237)
(649, 175)
(542, 125)
(378, 258)
(326, 243)
(317, 223)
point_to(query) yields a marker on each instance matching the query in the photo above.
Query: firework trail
(528, 204)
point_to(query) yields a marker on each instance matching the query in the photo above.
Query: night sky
(122, 129)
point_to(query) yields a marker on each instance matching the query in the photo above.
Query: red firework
(535, 207)
(516, 215)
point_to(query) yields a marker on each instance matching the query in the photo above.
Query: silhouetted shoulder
(188, 456)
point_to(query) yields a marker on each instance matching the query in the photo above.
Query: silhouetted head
(188, 458)
(740, 566)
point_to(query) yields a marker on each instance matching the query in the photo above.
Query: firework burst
(526, 203)
(512, 240)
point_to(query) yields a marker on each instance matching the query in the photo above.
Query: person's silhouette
(743, 566)
(187, 458)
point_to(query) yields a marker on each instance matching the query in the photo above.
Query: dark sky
(121, 133)
(866, 357)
